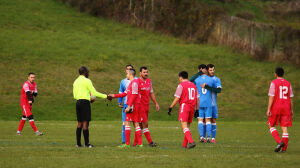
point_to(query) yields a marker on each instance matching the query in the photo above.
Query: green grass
(239, 144)
(54, 40)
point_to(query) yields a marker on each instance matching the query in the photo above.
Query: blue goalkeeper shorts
(205, 112)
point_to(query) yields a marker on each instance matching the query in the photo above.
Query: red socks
(188, 135)
(137, 138)
(138, 135)
(135, 142)
(285, 139)
(275, 134)
(21, 125)
(31, 122)
(127, 135)
(185, 142)
(147, 135)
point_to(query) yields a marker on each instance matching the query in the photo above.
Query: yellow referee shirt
(82, 87)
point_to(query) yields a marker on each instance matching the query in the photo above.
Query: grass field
(239, 144)
(54, 40)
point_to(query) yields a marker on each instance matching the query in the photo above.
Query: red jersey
(187, 92)
(27, 86)
(146, 89)
(282, 91)
(132, 92)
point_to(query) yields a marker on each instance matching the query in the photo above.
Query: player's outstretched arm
(118, 95)
(94, 92)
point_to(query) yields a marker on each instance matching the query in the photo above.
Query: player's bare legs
(188, 140)
(208, 128)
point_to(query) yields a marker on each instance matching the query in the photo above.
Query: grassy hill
(54, 40)
(275, 12)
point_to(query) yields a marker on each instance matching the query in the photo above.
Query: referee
(82, 90)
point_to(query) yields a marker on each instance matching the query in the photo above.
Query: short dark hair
(210, 66)
(143, 67)
(279, 71)
(31, 73)
(202, 66)
(128, 66)
(183, 74)
(132, 71)
(83, 70)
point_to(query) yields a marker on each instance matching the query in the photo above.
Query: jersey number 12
(283, 92)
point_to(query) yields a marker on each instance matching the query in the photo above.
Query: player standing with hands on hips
(280, 109)
(82, 90)
(29, 89)
(187, 96)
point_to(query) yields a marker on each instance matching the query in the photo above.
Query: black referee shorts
(83, 110)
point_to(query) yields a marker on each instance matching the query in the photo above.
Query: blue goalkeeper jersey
(123, 86)
(205, 95)
(216, 84)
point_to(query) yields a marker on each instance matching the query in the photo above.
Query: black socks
(78, 136)
(86, 136)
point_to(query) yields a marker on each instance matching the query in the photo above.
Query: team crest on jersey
(145, 88)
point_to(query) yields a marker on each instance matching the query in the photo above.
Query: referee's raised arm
(82, 90)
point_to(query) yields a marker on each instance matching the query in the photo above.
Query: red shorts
(26, 109)
(186, 113)
(134, 116)
(144, 113)
(282, 116)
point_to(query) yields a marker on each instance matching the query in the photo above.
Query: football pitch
(239, 144)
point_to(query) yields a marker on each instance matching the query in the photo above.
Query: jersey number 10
(191, 93)
(283, 92)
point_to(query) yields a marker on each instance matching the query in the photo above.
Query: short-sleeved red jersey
(27, 86)
(132, 92)
(146, 89)
(187, 92)
(282, 91)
